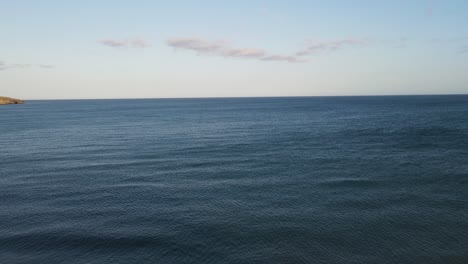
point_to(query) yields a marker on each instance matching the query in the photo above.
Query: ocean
(379, 179)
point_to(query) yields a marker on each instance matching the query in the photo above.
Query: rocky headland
(8, 100)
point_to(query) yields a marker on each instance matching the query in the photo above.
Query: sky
(87, 49)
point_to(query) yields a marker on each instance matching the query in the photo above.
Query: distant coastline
(7, 100)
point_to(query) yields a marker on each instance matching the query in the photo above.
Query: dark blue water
(253, 180)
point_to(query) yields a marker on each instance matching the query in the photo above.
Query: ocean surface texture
(243, 180)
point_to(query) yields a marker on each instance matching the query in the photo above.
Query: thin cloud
(283, 58)
(11, 66)
(220, 48)
(124, 43)
(315, 47)
(6, 66)
(464, 49)
(46, 66)
(429, 9)
(246, 52)
(199, 45)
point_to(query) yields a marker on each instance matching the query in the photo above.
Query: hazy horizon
(234, 97)
(192, 49)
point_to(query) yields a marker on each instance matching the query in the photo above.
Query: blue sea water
(240, 180)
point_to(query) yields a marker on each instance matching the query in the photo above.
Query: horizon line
(240, 97)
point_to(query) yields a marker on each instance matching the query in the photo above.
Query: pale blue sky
(150, 49)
